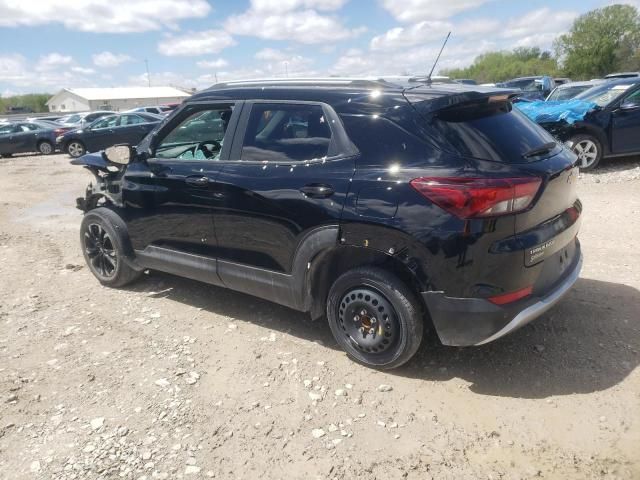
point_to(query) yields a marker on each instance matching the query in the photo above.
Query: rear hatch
(483, 126)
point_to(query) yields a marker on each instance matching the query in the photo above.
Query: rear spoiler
(427, 103)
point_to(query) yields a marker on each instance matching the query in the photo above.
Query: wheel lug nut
(363, 312)
(356, 318)
(374, 320)
(372, 331)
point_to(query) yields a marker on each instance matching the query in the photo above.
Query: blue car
(128, 128)
(25, 137)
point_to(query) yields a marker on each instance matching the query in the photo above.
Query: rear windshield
(495, 132)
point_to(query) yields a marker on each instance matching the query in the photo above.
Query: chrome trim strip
(538, 308)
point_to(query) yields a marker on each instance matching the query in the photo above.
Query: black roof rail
(308, 82)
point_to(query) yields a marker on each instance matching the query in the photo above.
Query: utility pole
(146, 63)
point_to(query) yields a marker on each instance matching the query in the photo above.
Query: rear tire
(106, 248)
(45, 147)
(375, 317)
(589, 151)
(75, 148)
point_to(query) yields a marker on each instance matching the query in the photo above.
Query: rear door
(288, 173)
(625, 126)
(132, 129)
(169, 197)
(25, 138)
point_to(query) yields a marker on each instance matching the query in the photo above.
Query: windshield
(603, 95)
(527, 84)
(72, 119)
(567, 93)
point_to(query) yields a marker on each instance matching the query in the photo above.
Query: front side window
(284, 133)
(200, 136)
(131, 120)
(7, 129)
(108, 122)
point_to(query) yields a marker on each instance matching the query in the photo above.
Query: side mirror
(629, 105)
(119, 154)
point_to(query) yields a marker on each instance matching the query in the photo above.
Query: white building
(116, 99)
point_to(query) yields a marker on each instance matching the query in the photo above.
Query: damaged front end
(107, 187)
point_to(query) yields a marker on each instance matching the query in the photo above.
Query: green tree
(601, 41)
(34, 101)
(500, 66)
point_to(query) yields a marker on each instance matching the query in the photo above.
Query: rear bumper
(476, 321)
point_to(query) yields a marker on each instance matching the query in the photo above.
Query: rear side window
(284, 133)
(496, 132)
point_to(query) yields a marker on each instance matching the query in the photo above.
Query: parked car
(466, 81)
(622, 75)
(567, 91)
(377, 207)
(561, 80)
(611, 129)
(104, 132)
(532, 88)
(48, 118)
(81, 120)
(16, 110)
(25, 137)
(158, 110)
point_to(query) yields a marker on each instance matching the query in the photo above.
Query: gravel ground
(171, 378)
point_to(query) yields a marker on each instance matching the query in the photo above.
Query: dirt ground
(171, 378)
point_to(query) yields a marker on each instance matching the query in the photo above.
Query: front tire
(375, 317)
(104, 246)
(45, 148)
(75, 148)
(588, 149)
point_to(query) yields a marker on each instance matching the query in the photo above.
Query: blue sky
(46, 45)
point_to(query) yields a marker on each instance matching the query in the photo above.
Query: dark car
(25, 137)
(120, 128)
(377, 207)
(531, 88)
(613, 76)
(81, 120)
(567, 91)
(611, 129)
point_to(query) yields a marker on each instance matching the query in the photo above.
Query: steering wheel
(204, 147)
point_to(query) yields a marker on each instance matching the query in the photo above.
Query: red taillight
(60, 131)
(479, 197)
(511, 297)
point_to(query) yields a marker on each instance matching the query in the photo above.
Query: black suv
(374, 204)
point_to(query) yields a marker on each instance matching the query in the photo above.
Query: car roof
(586, 83)
(348, 93)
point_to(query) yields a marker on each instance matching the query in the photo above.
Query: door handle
(197, 181)
(317, 190)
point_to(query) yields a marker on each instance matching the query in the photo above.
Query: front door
(288, 173)
(625, 126)
(169, 197)
(100, 134)
(7, 144)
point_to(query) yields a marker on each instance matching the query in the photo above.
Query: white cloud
(289, 5)
(304, 26)
(163, 79)
(414, 61)
(421, 32)
(196, 43)
(53, 61)
(410, 11)
(278, 62)
(83, 70)
(537, 22)
(50, 73)
(108, 59)
(213, 64)
(102, 15)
